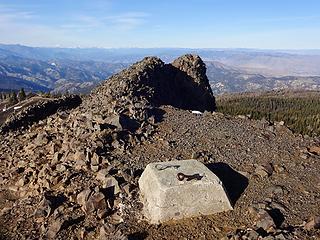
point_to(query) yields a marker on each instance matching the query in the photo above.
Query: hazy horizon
(168, 47)
(195, 24)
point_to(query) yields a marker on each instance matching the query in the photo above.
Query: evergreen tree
(13, 98)
(21, 95)
(301, 114)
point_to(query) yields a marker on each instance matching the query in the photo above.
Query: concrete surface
(166, 198)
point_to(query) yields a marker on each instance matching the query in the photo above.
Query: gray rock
(108, 181)
(106, 233)
(55, 227)
(314, 223)
(265, 221)
(83, 197)
(44, 209)
(95, 202)
(41, 139)
(261, 172)
(91, 202)
(168, 197)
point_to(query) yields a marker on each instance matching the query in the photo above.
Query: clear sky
(268, 24)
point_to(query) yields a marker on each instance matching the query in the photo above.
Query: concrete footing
(181, 189)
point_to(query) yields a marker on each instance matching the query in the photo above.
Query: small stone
(304, 156)
(54, 228)
(268, 200)
(106, 233)
(252, 235)
(280, 237)
(241, 117)
(314, 150)
(41, 139)
(268, 238)
(261, 172)
(127, 189)
(13, 188)
(195, 155)
(101, 175)
(54, 148)
(314, 223)
(279, 206)
(276, 190)
(44, 209)
(61, 168)
(80, 164)
(83, 197)
(56, 157)
(79, 156)
(95, 160)
(102, 213)
(83, 233)
(265, 221)
(270, 128)
(94, 168)
(278, 168)
(253, 210)
(20, 183)
(108, 181)
(116, 218)
(268, 168)
(5, 211)
(97, 200)
(115, 120)
(216, 229)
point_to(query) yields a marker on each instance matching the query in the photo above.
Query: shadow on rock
(234, 182)
(55, 201)
(138, 236)
(277, 217)
(184, 84)
(157, 114)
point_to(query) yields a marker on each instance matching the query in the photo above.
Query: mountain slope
(58, 75)
(75, 174)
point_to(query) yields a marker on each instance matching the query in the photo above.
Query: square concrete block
(181, 189)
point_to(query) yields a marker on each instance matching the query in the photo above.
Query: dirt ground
(232, 148)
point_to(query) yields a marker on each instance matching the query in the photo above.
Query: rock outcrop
(151, 82)
(39, 111)
(192, 84)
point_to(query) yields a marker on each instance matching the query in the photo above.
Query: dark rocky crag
(182, 84)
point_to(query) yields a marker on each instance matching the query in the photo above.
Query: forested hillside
(300, 111)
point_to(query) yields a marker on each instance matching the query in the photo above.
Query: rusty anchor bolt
(182, 176)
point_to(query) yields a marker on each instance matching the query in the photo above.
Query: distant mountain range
(229, 70)
(57, 75)
(226, 79)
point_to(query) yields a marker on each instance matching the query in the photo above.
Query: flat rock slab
(169, 194)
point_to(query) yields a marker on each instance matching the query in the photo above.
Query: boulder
(181, 189)
(192, 84)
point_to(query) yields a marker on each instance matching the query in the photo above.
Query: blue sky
(267, 24)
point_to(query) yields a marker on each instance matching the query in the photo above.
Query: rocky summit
(73, 174)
